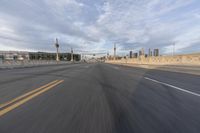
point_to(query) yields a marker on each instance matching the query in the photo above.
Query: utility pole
(57, 52)
(115, 51)
(72, 54)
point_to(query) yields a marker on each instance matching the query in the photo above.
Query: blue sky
(95, 25)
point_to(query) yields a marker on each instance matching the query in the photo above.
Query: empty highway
(98, 98)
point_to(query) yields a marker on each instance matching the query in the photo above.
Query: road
(98, 98)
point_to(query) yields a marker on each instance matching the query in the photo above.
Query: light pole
(57, 46)
(115, 51)
(72, 55)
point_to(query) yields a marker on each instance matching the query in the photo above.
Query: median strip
(26, 97)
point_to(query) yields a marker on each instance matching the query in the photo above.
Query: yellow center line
(17, 104)
(26, 94)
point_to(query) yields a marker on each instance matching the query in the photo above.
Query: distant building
(52, 56)
(23, 55)
(14, 55)
(142, 50)
(131, 54)
(156, 52)
(135, 55)
(140, 53)
(150, 52)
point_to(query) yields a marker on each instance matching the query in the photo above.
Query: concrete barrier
(188, 59)
(27, 63)
(180, 63)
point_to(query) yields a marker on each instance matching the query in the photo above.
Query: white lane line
(190, 92)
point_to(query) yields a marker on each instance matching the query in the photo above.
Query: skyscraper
(131, 54)
(156, 52)
(142, 51)
(135, 55)
(150, 52)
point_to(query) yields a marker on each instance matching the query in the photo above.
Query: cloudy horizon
(96, 25)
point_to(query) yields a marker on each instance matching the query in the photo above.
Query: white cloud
(144, 22)
(96, 25)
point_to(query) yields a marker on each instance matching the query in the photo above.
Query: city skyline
(97, 25)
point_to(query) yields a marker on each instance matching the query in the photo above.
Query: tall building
(156, 52)
(140, 53)
(150, 52)
(135, 55)
(142, 50)
(131, 54)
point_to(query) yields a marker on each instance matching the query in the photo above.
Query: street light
(57, 46)
(72, 55)
(115, 51)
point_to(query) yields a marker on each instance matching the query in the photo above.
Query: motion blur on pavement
(100, 66)
(100, 98)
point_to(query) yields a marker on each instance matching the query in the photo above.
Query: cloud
(151, 24)
(97, 25)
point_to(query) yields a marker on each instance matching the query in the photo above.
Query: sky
(95, 25)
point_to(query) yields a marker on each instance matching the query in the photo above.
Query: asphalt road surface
(98, 98)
